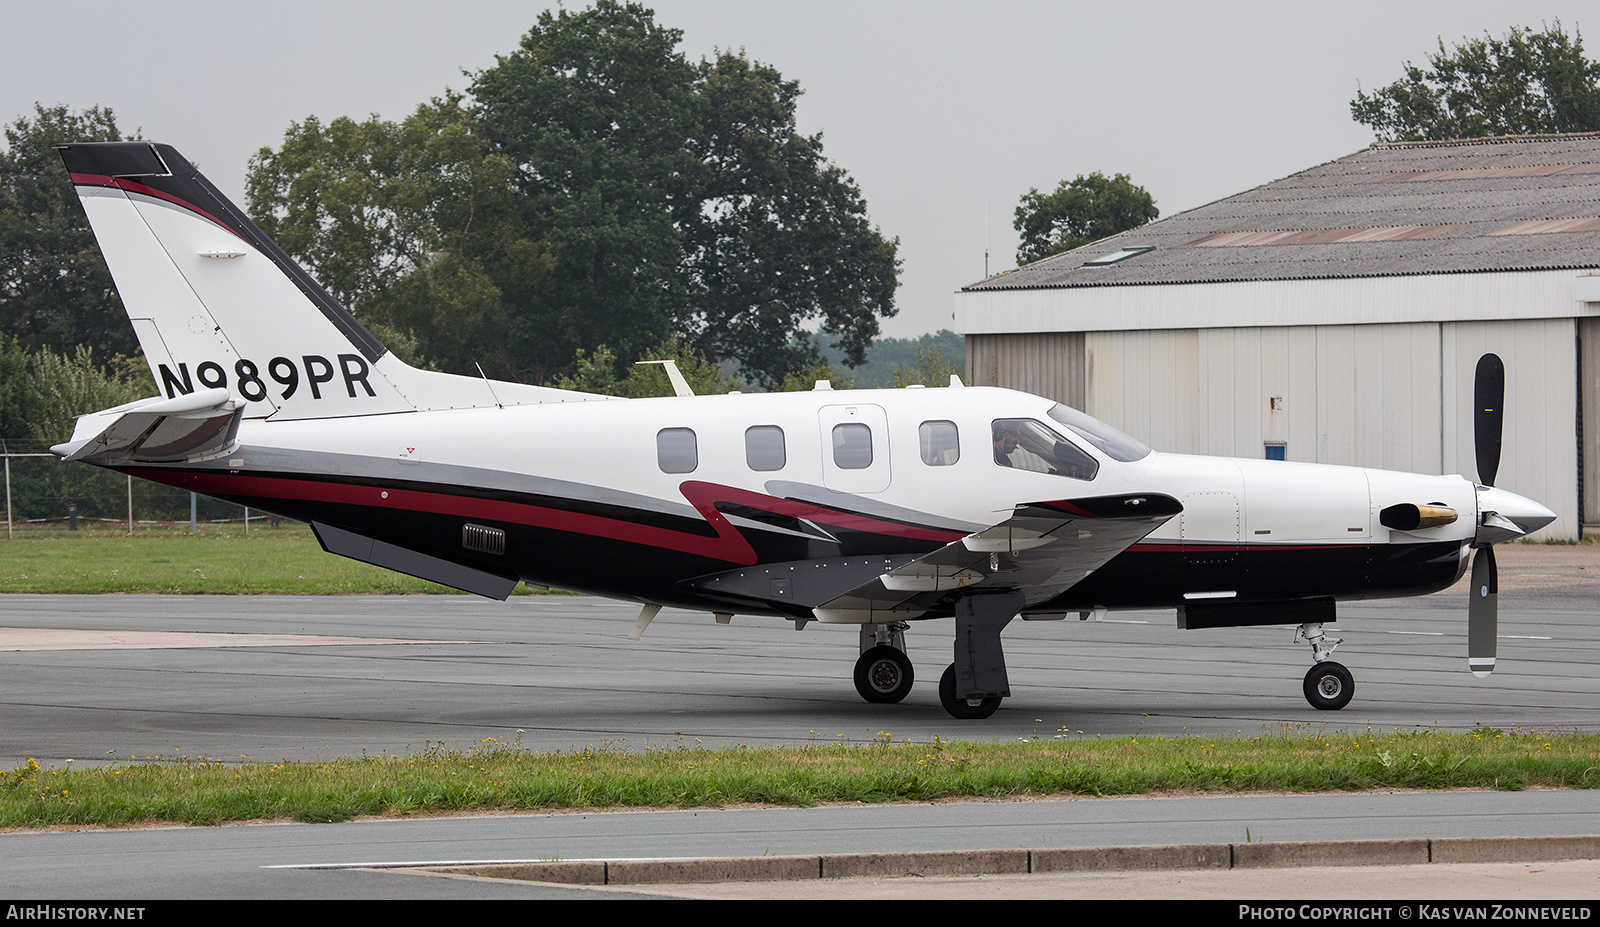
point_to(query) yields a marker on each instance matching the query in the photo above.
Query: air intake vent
(483, 539)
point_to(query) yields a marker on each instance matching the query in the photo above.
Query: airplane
(876, 508)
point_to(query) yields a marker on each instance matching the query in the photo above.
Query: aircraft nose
(1497, 507)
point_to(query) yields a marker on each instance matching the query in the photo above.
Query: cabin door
(855, 448)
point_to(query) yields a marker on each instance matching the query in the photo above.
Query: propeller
(1488, 415)
(1488, 421)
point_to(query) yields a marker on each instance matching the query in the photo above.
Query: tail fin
(216, 304)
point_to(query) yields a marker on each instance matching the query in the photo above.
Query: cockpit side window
(1024, 444)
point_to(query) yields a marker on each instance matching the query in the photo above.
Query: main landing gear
(1328, 685)
(964, 708)
(972, 686)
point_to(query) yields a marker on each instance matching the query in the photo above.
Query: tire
(884, 675)
(1329, 686)
(964, 708)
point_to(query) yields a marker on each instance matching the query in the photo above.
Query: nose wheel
(1329, 686)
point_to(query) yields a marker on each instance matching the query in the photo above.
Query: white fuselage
(611, 453)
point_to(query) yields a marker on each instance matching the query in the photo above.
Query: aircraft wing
(194, 426)
(1043, 549)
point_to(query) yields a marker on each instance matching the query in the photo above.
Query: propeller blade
(1488, 415)
(1483, 613)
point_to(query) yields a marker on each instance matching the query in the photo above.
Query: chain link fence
(44, 494)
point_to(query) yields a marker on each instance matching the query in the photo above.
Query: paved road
(92, 678)
(273, 861)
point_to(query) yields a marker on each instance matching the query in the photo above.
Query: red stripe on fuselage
(728, 544)
(1065, 506)
(704, 495)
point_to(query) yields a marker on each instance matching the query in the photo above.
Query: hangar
(1336, 316)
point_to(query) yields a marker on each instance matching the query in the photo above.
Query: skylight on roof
(1114, 257)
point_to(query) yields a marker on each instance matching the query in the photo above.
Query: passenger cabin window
(1025, 444)
(939, 443)
(852, 446)
(676, 450)
(763, 447)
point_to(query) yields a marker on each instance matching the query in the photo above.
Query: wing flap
(1043, 549)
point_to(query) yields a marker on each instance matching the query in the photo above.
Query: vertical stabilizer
(214, 302)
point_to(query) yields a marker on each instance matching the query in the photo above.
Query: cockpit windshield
(1114, 443)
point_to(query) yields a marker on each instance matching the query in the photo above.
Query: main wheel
(884, 675)
(963, 708)
(1329, 686)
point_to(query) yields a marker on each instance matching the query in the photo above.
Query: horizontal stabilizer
(194, 426)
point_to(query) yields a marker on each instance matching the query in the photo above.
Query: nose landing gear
(1328, 685)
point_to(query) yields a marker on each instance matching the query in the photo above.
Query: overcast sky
(945, 113)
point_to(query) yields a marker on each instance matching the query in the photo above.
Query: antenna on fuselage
(486, 382)
(680, 386)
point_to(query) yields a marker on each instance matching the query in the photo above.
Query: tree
(889, 357)
(806, 379)
(679, 197)
(933, 368)
(595, 110)
(1087, 208)
(42, 393)
(413, 226)
(596, 372)
(772, 234)
(608, 192)
(1529, 83)
(55, 289)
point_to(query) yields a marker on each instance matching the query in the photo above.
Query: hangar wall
(1388, 396)
(1048, 364)
(1540, 458)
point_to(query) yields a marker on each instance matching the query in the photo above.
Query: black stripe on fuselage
(1158, 575)
(640, 566)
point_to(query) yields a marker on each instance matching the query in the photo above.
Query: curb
(1405, 852)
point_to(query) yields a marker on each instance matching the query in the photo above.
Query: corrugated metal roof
(1406, 208)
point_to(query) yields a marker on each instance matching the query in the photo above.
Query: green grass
(496, 776)
(217, 560)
